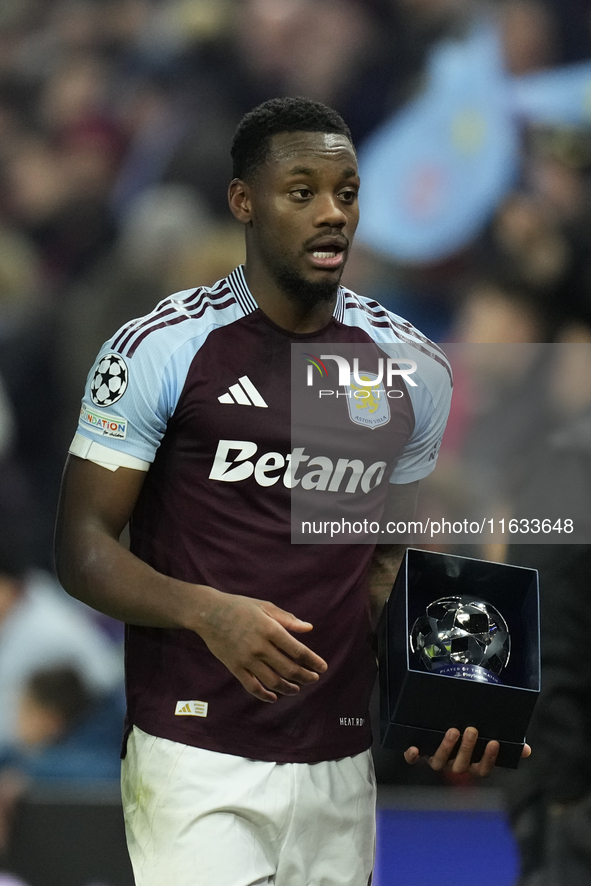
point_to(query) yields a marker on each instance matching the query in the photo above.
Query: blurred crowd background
(116, 118)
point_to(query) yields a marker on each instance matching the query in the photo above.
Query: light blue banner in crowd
(434, 173)
(561, 97)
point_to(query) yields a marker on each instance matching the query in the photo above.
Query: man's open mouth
(328, 254)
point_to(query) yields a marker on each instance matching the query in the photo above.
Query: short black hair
(252, 139)
(63, 690)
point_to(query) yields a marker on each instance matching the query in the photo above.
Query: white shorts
(199, 818)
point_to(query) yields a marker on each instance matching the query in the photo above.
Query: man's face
(305, 212)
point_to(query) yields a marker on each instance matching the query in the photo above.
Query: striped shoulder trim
(177, 309)
(339, 309)
(238, 285)
(379, 317)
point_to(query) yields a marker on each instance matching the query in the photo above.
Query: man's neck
(286, 312)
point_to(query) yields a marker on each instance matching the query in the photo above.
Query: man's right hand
(251, 638)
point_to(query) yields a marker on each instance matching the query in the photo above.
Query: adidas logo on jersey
(243, 393)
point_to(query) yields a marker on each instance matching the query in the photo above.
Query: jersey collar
(239, 286)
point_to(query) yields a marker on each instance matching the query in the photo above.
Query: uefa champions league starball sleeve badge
(462, 636)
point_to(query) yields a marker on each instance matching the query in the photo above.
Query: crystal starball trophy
(450, 616)
(462, 636)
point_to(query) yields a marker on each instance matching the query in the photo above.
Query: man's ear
(239, 198)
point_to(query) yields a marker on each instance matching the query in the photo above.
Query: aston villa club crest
(367, 402)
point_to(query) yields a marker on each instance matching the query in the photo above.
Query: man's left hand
(462, 762)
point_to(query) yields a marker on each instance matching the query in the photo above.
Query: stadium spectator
(63, 730)
(39, 627)
(52, 703)
(550, 798)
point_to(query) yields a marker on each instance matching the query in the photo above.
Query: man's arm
(400, 506)
(251, 637)
(383, 571)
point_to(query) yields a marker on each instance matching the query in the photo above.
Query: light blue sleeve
(128, 400)
(431, 400)
(431, 373)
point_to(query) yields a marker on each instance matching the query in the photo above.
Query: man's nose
(330, 211)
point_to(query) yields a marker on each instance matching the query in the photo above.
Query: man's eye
(348, 196)
(302, 193)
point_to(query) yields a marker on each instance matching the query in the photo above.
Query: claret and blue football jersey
(197, 394)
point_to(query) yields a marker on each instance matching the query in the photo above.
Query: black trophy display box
(418, 706)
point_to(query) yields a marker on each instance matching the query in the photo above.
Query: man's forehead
(289, 148)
